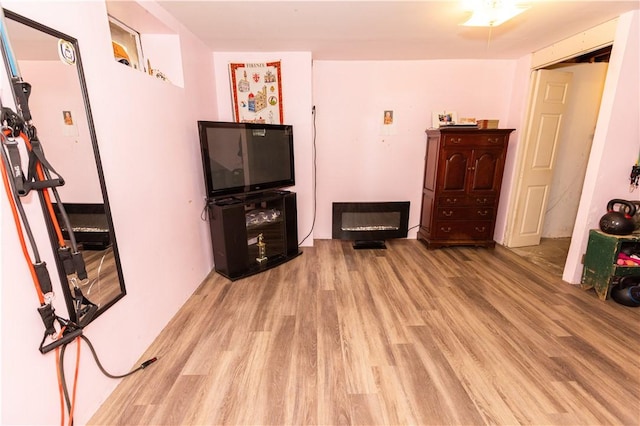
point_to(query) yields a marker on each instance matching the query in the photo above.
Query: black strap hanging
(36, 156)
(17, 127)
(19, 181)
(13, 126)
(22, 91)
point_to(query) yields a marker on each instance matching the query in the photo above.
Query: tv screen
(240, 158)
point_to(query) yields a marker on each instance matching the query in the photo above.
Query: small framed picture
(443, 118)
(388, 117)
(67, 118)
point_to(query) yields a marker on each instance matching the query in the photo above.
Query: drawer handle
(480, 228)
(447, 213)
(447, 229)
(481, 201)
(455, 140)
(494, 140)
(452, 200)
(483, 212)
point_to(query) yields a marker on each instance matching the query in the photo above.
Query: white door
(548, 100)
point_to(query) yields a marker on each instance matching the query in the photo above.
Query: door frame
(521, 152)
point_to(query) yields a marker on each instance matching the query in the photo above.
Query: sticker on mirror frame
(67, 52)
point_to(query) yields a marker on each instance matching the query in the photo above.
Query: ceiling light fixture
(491, 13)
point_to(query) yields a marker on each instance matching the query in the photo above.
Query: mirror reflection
(60, 110)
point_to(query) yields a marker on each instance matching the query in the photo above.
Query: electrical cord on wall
(204, 214)
(315, 185)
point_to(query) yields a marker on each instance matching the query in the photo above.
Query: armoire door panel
(487, 171)
(455, 170)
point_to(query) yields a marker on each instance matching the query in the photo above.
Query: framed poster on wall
(257, 92)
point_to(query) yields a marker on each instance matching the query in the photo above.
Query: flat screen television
(244, 158)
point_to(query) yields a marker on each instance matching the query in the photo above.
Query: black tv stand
(254, 232)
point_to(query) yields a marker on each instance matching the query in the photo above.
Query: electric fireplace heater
(368, 224)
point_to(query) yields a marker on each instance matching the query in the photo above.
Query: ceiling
(385, 30)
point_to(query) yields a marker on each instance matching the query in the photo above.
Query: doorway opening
(545, 217)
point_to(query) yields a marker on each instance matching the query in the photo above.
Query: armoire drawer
(480, 140)
(462, 230)
(483, 201)
(463, 201)
(465, 213)
(453, 201)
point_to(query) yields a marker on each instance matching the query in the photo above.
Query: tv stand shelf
(240, 224)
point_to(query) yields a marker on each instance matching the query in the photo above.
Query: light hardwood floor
(403, 336)
(550, 254)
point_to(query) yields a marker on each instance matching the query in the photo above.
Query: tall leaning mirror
(59, 106)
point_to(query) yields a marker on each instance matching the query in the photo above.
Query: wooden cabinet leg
(602, 292)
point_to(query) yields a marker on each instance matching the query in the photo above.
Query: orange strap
(75, 382)
(23, 243)
(59, 368)
(60, 387)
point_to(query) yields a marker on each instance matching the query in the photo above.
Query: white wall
(574, 148)
(358, 158)
(148, 141)
(516, 111)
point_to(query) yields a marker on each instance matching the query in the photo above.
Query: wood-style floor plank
(403, 336)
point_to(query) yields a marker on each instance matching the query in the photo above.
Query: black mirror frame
(94, 141)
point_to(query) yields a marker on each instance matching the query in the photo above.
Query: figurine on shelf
(262, 250)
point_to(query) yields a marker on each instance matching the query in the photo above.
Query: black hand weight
(627, 292)
(618, 222)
